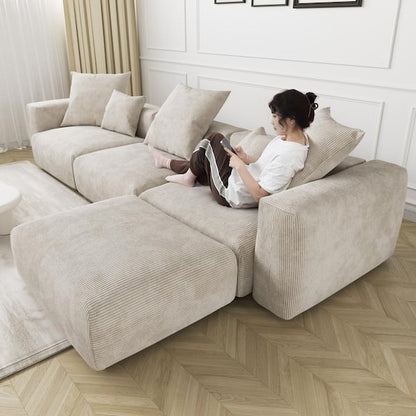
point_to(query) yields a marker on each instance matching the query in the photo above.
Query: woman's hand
(235, 161)
(241, 154)
(256, 191)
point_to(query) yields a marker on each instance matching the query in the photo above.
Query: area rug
(27, 334)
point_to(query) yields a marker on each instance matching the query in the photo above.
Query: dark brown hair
(294, 104)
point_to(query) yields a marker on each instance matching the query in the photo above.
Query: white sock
(160, 160)
(187, 179)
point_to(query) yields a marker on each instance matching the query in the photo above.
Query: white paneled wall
(360, 61)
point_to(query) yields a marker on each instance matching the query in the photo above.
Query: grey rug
(27, 335)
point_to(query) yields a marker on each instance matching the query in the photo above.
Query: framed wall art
(228, 1)
(265, 3)
(300, 4)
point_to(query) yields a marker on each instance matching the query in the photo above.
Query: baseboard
(410, 212)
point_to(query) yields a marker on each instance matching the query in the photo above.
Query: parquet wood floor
(17, 155)
(352, 355)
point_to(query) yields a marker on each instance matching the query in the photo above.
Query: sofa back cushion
(147, 116)
(90, 94)
(329, 144)
(255, 142)
(183, 119)
(227, 130)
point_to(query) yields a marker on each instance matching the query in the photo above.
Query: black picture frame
(229, 1)
(298, 4)
(257, 3)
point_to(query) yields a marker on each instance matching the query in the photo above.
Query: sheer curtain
(33, 64)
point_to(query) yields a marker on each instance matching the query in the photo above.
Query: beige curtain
(102, 38)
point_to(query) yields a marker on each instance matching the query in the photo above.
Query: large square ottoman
(120, 275)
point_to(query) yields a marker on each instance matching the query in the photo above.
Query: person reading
(238, 180)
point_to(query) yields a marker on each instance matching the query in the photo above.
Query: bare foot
(187, 179)
(160, 160)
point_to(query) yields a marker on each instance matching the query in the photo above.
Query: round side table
(9, 198)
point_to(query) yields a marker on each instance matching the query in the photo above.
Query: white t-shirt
(273, 171)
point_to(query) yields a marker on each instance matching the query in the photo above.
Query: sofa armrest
(45, 115)
(316, 238)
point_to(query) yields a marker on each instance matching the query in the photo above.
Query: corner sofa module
(120, 275)
(119, 171)
(55, 150)
(315, 239)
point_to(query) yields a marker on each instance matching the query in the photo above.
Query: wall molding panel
(368, 148)
(210, 16)
(373, 110)
(160, 35)
(362, 67)
(162, 82)
(370, 84)
(410, 137)
(409, 157)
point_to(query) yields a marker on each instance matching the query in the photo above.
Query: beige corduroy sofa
(147, 258)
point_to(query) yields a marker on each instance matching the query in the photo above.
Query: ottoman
(9, 198)
(120, 275)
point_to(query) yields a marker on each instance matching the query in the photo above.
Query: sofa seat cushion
(347, 163)
(125, 170)
(55, 150)
(235, 228)
(120, 275)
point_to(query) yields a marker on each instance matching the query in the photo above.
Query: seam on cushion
(271, 204)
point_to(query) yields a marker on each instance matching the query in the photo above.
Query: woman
(238, 180)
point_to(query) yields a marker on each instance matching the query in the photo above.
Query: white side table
(9, 198)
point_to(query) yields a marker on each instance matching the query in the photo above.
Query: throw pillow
(183, 119)
(255, 142)
(329, 144)
(89, 95)
(122, 113)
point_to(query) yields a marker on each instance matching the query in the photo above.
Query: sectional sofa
(147, 258)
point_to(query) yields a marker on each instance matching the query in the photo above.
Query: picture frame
(301, 4)
(228, 1)
(267, 3)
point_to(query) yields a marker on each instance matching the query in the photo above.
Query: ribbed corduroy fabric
(196, 207)
(55, 147)
(184, 118)
(120, 275)
(329, 144)
(55, 150)
(315, 239)
(128, 170)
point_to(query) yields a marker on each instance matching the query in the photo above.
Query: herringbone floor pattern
(352, 355)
